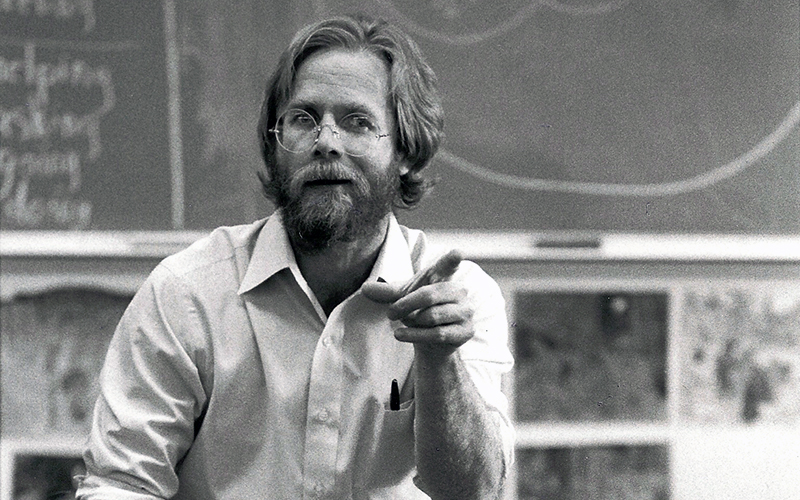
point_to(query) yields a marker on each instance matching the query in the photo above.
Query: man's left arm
(459, 333)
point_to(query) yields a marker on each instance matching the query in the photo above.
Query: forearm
(458, 445)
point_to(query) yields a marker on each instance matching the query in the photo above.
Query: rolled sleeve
(486, 356)
(150, 396)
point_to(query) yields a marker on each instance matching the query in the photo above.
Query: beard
(317, 216)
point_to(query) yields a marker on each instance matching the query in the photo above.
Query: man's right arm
(151, 393)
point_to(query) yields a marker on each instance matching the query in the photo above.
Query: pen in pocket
(394, 397)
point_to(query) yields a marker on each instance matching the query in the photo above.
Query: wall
(651, 376)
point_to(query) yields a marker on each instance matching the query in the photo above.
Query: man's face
(326, 194)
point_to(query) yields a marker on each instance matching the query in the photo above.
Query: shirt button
(323, 416)
(327, 341)
(318, 489)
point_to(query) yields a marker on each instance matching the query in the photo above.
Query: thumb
(384, 293)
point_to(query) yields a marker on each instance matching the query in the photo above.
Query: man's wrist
(435, 354)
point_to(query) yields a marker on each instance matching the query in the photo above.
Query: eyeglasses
(297, 132)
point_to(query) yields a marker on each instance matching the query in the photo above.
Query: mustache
(325, 171)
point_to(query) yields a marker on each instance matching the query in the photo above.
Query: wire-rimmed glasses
(297, 132)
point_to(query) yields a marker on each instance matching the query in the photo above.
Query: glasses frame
(317, 131)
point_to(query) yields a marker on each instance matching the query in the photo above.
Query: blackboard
(592, 115)
(621, 115)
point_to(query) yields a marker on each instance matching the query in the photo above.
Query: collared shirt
(226, 380)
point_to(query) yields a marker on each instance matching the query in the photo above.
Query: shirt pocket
(393, 461)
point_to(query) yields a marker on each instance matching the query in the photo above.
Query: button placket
(324, 401)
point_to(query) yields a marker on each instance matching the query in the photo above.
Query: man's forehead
(347, 79)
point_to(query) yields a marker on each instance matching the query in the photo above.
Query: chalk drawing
(691, 184)
(514, 22)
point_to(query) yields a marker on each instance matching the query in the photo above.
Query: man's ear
(402, 164)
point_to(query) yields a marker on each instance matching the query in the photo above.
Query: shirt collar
(394, 260)
(273, 253)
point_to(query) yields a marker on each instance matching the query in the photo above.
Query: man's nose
(328, 141)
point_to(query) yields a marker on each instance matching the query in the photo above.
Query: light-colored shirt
(226, 380)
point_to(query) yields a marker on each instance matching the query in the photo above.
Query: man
(260, 362)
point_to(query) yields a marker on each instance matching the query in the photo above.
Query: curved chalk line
(696, 183)
(510, 24)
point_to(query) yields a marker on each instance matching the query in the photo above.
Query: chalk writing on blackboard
(48, 133)
(55, 10)
(50, 122)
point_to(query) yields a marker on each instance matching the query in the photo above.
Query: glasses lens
(296, 130)
(359, 134)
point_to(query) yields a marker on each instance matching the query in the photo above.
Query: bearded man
(285, 358)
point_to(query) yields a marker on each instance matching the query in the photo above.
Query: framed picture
(590, 356)
(619, 472)
(40, 470)
(740, 354)
(52, 350)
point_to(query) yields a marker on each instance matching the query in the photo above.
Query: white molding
(474, 245)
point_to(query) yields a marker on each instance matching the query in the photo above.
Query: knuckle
(436, 316)
(428, 294)
(442, 337)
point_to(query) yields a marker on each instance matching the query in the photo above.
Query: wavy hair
(413, 94)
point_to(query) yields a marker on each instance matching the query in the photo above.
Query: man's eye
(357, 123)
(298, 118)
